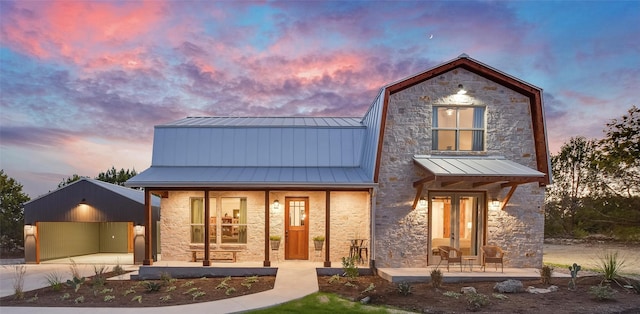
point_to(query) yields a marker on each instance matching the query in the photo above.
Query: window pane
(234, 219)
(197, 211)
(446, 118)
(446, 140)
(197, 234)
(466, 118)
(466, 140)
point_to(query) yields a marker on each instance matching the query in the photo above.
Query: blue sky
(82, 83)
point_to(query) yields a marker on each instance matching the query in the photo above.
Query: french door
(456, 220)
(296, 222)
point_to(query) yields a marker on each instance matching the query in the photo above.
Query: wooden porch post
(206, 261)
(267, 262)
(148, 222)
(327, 229)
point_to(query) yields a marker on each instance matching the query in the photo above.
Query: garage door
(67, 239)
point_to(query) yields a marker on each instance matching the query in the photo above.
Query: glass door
(456, 220)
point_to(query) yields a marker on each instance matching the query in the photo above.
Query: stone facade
(350, 217)
(401, 233)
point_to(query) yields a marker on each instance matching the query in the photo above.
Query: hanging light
(494, 204)
(461, 90)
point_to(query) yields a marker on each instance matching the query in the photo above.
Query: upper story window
(458, 128)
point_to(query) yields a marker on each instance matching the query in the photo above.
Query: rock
(541, 290)
(509, 286)
(466, 290)
(365, 300)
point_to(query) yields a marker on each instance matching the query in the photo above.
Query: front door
(457, 220)
(296, 231)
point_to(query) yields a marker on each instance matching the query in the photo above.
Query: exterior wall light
(138, 230)
(494, 204)
(83, 201)
(422, 202)
(276, 205)
(461, 90)
(29, 230)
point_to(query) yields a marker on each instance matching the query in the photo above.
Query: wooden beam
(206, 260)
(424, 180)
(267, 262)
(148, 221)
(445, 184)
(417, 198)
(327, 229)
(479, 184)
(506, 199)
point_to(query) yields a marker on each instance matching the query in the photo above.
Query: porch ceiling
(478, 170)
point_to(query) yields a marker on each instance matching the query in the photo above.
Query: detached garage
(87, 217)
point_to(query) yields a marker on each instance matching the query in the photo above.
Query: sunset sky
(82, 83)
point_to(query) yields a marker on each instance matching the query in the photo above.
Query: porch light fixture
(29, 230)
(422, 202)
(494, 204)
(276, 205)
(83, 201)
(461, 90)
(139, 230)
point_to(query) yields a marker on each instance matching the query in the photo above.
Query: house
(454, 155)
(87, 217)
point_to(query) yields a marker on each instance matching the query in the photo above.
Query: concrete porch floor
(396, 275)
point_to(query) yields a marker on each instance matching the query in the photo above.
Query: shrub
(452, 294)
(318, 238)
(610, 265)
(118, 270)
(54, 280)
(602, 292)
(404, 288)
(109, 298)
(152, 286)
(73, 269)
(334, 279)
(99, 275)
(275, 237)
(370, 288)
(166, 277)
(476, 300)
(436, 278)
(165, 298)
(18, 281)
(349, 267)
(545, 274)
(76, 283)
(79, 299)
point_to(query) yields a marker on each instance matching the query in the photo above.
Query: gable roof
(379, 108)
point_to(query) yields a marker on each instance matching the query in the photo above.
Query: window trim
(457, 129)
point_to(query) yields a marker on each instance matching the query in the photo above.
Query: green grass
(321, 302)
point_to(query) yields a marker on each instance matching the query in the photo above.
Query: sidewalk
(293, 281)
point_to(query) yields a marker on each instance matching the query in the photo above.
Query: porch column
(206, 261)
(148, 222)
(327, 229)
(267, 262)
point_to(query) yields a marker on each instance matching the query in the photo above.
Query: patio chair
(492, 254)
(364, 247)
(451, 255)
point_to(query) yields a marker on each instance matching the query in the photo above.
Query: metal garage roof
(331, 122)
(251, 177)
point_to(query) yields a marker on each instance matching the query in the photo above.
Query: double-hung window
(458, 128)
(227, 221)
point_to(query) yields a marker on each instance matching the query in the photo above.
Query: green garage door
(67, 239)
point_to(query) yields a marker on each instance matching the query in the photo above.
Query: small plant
(349, 267)
(275, 237)
(76, 283)
(137, 298)
(170, 288)
(73, 269)
(166, 277)
(230, 290)
(54, 280)
(452, 294)
(65, 296)
(476, 300)
(500, 296)
(602, 292)
(404, 288)
(152, 286)
(252, 279)
(187, 284)
(165, 298)
(370, 288)
(33, 299)
(109, 298)
(118, 270)
(191, 290)
(318, 238)
(436, 278)
(79, 300)
(130, 291)
(223, 284)
(106, 290)
(18, 281)
(545, 274)
(197, 294)
(574, 274)
(335, 278)
(610, 265)
(246, 284)
(350, 284)
(99, 275)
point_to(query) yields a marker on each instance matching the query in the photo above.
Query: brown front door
(296, 221)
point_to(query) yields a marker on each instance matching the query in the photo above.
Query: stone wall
(402, 232)
(350, 217)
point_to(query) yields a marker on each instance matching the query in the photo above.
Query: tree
(620, 158)
(70, 180)
(11, 213)
(116, 177)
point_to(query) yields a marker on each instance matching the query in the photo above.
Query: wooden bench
(231, 255)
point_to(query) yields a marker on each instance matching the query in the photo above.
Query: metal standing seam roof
(226, 122)
(251, 177)
(495, 166)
